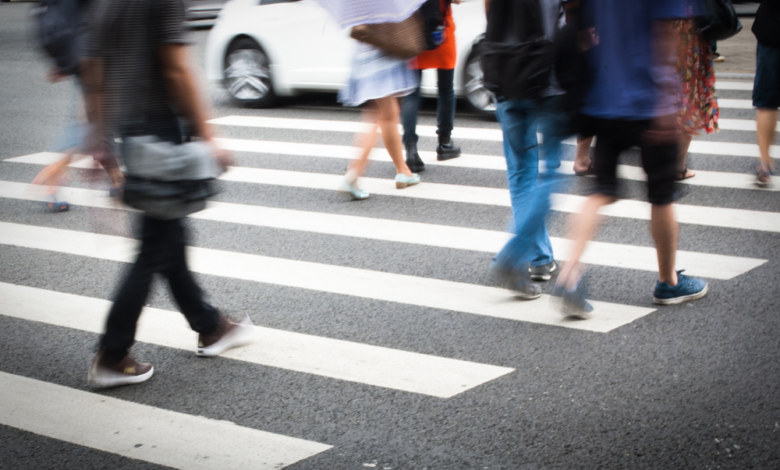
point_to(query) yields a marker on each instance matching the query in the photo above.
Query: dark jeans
(163, 244)
(445, 108)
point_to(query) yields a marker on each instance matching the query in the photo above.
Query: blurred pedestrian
(443, 59)
(766, 87)
(528, 256)
(62, 35)
(140, 80)
(699, 108)
(632, 103)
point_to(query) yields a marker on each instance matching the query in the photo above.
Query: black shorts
(766, 86)
(658, 161)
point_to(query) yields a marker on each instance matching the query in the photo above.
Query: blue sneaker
(572, 304)
(687, 289)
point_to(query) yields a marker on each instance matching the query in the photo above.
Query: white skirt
(375, 74)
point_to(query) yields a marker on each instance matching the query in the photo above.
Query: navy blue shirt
(626, 84)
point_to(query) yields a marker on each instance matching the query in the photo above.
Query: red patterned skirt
(697, 76)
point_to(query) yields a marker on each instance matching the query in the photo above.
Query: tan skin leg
(582, 227)
(684, 144)
(582, 159)
(766, 123)
(663, 228)
(385, 115)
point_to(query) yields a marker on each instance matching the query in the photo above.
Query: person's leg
(129, 301)
(365, 142)
(531, 243)
(445, 115)
(201, 316)
(663, 228)
(683, 145)
(660, 161)
(766, 123)
(582, 161)
(612, 137)
(409, 109)
(387, 119)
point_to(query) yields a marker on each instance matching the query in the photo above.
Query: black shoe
(447, 150)
(413, 160)
(542, 273)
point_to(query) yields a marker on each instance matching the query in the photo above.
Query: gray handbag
(168, 181)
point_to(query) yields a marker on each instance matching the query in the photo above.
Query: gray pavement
(690, 386)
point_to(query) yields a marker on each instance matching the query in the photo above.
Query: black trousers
(163, 244)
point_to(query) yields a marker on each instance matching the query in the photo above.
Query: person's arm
(487, 5)
(182, 88)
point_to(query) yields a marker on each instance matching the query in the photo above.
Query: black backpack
(516, 55)
(57, 30)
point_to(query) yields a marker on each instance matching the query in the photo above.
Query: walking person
(528, 256)
(766, 86)
(140, 80)
(632, 103)
(443, 59)
(62, 33)
(699, 108)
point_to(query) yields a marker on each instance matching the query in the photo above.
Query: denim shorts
(766, 88)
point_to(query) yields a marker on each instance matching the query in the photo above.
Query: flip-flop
(683, 174)
(590, 171)
(57, 206)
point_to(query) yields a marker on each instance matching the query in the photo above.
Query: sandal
(683, 174)
(591, 170)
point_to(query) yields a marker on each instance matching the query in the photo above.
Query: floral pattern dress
(699, 109)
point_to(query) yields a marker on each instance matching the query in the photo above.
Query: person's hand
(222, 156)
(587, 39)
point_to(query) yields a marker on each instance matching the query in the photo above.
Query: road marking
(728, 85)
(337, 359)
(734, 104)
(487, 241)
(715, 179)
(398, 288)
(626, 208)
(143, 432)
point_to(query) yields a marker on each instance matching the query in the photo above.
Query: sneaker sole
(241, 336)
(683, 299)
(445, 157)
(399, 185)
(527, 296)
(118, 380)
(541, 277)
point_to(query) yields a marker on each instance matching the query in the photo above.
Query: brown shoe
(126, 372)
(228, 335)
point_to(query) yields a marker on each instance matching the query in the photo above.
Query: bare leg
(685, 143)
(51, 175)
(766, 122)
(388, 114)
(366, 143)
(663, 227)
(582, 159)
(582, 227)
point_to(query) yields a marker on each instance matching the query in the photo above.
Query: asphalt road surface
(382, 342)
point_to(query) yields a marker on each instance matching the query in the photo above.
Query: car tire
(478, 98)
(247, 74)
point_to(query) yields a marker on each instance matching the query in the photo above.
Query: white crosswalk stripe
(343, 360)
(598, 253)
(729, 85)
(632, 209)
(143, 432)
(399, 288)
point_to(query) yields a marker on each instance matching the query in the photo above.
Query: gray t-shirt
(127, 34)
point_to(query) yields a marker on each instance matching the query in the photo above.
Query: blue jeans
(530, 191)
(445, 108)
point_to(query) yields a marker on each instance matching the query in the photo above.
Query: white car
(261, 49)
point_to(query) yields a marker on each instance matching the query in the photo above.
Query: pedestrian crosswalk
(154, 434)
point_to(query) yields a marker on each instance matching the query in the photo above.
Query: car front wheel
(248, 74)
(479, 98)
